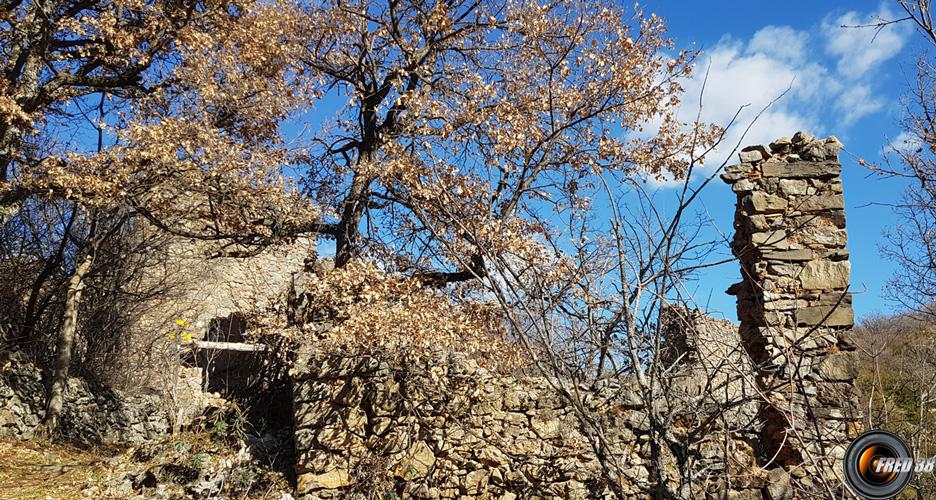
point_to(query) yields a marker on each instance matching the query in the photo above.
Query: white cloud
(860, 50)
(779, 42)
(822, 92)
(857, 102)
(905, 142)
(753, 75)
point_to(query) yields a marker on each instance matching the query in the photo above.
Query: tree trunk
(346, 241)
(65, 344)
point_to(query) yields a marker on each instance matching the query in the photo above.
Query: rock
(801, 169)
(492, 456)
(750, 156)
(765, 153)
(744, 495)
(802, 137)
(793, 186)
(743, 185)
(820, 203)
(733, 173)
(826, 315)
(782, 145)
(417, 463)
(476, 482)
(833, 298)
(545, 428)
(818, 151)
(833, 145)
(333, 479)
(778, 485)
(771, 239)
(841, 366)
(759, 222)
(763, 202)
(825, 275)
(824, 235)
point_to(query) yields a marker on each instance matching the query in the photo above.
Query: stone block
(826, 315)
(750, 156)
(820, 202)
(793, 186)
(759, 222)
(774, 239)
(743, 186)
(801, 169)
(417, 463)
(332, 479)
(782, 145)
(763, 202)
(789, 255)
(825, 275)
(476, 482)
(832, 298)
(732, 173)
(824, 235)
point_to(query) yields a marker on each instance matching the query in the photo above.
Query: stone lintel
(801, 169)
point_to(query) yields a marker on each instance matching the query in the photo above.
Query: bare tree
(910, 242)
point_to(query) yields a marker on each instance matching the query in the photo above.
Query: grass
(39, 470)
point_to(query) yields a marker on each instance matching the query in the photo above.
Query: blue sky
(841, 82)
(838, 81)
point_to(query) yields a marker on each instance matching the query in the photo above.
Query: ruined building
(761, 410)
(794, 304)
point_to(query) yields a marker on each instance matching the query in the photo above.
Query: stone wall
(793, 303)
(443, 427)
(91, 415)
(210, 295)
(765, 409)
(207, 289)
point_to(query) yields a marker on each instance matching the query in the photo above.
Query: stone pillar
(793, 303)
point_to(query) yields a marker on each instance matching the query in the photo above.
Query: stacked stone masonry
(793, 303)
(92, 414)
(442, 427)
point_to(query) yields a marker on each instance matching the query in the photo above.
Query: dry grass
(40, 470)
(37, 470)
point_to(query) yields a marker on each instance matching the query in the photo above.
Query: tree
(488, 114)
(55, 52)
(897, 378)
(191, 143)
(910, 243)
(479, 152)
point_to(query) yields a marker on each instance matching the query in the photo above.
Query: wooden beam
(228, 346)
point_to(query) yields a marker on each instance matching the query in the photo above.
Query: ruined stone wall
(766, 409)
(92, 414)
(793, 303)
(208, 295)
(205, 289)
(443, 427)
